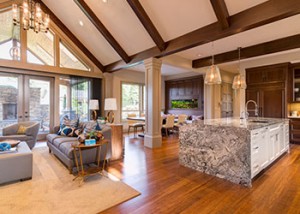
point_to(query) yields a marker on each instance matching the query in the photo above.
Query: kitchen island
(231, 148)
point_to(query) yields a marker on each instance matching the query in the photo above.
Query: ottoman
(16, 166)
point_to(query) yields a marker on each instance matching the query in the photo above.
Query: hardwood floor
(167, 187)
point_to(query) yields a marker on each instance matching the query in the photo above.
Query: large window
(40, 48)
(9, 36)
(69, 60)
(133, 99)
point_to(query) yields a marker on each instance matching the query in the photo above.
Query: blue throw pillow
(4, 147)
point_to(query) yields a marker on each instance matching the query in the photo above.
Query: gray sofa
(30, 136)
(61, 147)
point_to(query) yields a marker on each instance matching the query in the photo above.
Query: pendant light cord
(239, 60)
(213, 57)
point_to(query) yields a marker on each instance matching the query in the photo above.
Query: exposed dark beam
(147, 23)
(265, 13)
(102, 29)
(221, 12)
(71, 36)
(274, 46)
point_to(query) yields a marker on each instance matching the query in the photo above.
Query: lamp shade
(239, 82)
(94, 105)
(110, 104)
(213, 75)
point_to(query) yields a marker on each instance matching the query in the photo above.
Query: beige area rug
(52, 190)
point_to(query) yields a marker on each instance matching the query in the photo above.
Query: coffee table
(17, 165)
(98, 169)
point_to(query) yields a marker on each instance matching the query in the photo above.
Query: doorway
(26, 98)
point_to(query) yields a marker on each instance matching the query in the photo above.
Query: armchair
(30, 136)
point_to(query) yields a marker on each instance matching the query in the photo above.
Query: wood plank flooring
(167, 187)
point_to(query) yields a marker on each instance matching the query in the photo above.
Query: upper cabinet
(295, 91)
(267, 74)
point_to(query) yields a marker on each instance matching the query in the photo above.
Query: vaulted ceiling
(121, 33)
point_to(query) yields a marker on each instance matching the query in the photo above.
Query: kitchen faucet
(255, 110)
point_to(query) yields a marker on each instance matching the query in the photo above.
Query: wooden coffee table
(98, 169)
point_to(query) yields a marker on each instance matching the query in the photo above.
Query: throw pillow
(21, 129)
(90, 126)
(72, 123)
(68, 131)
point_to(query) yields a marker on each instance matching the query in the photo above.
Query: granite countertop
(250, 124)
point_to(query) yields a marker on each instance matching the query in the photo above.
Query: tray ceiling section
(120, 20)
(177, 17)
(87, 34)
(236, 6)
(276, 30)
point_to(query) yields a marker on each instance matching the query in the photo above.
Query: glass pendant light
(239, 81)
(213, 75)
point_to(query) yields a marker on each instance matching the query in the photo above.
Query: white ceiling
(172, 18)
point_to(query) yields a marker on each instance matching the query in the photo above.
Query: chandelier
(31, 16)
(213, 75)
(239, 81)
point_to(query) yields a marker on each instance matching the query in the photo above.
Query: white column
(153, 137)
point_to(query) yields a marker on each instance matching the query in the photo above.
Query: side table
(117, 147)
(82, 173)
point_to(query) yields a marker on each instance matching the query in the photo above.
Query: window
(74, 95)
(69, 60)
(40, 48)
(133, 99)
(9, 36)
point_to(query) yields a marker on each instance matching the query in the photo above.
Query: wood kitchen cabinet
(295, 130)
(267, 86)
(271, 101)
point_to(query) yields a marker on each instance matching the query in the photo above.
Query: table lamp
(110, 104)
(94, 105)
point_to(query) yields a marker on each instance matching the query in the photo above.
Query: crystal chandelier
(213, 75)
(239, 81)
(31, 16)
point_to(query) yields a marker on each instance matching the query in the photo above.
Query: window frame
(142, 94)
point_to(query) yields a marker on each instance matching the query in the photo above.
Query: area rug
(52, 190)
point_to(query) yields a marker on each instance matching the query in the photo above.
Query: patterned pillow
(21, 129)
(72, 123)
(69, 131)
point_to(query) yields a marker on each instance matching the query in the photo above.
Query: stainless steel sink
(258, 121)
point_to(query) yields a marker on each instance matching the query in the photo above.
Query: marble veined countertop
(250, 124)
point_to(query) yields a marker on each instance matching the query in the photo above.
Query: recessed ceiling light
(80, 23)
(105, 1)
(199, 55)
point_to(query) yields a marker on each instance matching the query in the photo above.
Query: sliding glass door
(10, 100)
(26, 98)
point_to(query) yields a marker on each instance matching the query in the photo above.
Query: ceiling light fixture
(105, 1)
(32, 16)
(239, 81)
(81, 23)
(213, 75)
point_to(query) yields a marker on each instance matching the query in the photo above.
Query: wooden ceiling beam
(221, 12)
(284, 44)
(102, 29)
(265, 13)
(147, 23)
(70, 35)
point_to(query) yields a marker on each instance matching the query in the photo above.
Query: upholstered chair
(23, 131)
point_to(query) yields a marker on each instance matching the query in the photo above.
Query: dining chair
(134, 124)
(169, 124)
(181, 121)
